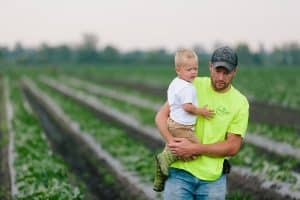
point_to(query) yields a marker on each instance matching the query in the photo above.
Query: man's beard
(223, 87)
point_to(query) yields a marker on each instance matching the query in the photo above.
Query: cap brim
(227, 65)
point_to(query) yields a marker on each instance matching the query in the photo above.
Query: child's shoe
(159, 179)
(165, 159)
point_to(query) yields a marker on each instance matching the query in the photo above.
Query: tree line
(88, 53)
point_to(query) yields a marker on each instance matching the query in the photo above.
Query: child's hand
(206, 112)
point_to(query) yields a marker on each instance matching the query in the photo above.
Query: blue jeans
(182, 185)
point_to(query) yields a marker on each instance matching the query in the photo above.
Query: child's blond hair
(183, 55)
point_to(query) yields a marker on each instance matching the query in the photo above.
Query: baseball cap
(224, 57)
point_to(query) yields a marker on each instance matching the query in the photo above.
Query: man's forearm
(161, 122)
(184, 148)
(217, 149)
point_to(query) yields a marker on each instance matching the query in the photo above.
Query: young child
(183, 110)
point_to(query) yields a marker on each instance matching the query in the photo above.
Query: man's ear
(210, 66)
(235, 70)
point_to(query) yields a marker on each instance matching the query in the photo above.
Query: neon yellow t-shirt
(232, 111)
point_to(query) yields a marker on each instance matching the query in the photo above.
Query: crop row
(36, 172)
(90, 131)
(5, 193)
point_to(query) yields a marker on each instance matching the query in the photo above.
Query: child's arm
(204, 111)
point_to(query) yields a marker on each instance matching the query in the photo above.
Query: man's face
(221, 78)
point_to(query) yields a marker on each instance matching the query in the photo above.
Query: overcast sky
(132, 24)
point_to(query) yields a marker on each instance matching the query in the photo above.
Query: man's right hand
(183, 148)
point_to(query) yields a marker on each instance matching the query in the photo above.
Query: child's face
(188, 71)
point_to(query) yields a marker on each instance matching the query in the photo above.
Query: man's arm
(229, 147)
(161, 122)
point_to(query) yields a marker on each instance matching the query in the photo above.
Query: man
(220, 137)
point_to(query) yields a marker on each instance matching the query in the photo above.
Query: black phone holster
(226, 167)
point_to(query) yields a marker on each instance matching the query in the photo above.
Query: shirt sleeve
(187, 95)
(240, 121)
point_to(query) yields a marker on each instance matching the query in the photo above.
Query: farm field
(105, 118)
(275, 85)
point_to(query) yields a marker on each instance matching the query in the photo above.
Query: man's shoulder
(201, 79)
(201, 84)
(242, 98)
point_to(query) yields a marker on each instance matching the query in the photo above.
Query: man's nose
(220, 76)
